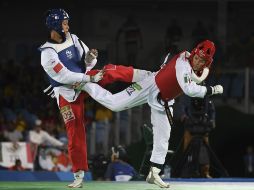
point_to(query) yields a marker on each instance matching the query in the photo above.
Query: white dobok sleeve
(81, 49)
(57, 71)
(32, 138)
(189, 87)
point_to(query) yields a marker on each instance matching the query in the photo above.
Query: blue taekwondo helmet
(54, 19)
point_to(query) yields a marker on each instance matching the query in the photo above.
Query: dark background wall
(97, 23)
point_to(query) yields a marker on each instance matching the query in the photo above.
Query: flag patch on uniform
(57, 68)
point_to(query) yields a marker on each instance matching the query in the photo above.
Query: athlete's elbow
(189, 92)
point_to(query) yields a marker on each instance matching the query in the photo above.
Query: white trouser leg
(134, 95)
(139, 75)
(161, 135)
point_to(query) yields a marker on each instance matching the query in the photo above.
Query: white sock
(79, 174)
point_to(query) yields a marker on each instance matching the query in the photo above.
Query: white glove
(97, 77)
(91, 55)
(217, 89)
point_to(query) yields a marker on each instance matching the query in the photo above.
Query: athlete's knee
(139, 75)
(162, 147)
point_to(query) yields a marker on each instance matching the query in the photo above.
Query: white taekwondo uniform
(62, 64)
(172, 80)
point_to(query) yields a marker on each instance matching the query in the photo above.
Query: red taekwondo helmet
(205, 50)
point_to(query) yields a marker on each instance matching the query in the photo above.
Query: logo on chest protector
(133, 88)
(68, 54)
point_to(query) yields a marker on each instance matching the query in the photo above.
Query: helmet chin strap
(62, 34)
(200, 79)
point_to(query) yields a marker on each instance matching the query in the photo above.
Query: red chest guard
(167, 82)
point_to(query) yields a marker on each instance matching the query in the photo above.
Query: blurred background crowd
(128, 32)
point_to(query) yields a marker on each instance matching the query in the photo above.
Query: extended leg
(134, 95)
(73, 116)
(161, 135)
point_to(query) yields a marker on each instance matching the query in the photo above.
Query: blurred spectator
(63, 161)
(40, 137)
(118, 169)
(12, 134)
(132, 39)
(9, 93)
(51, 126)
(18, 166)
(102, 113)
(28, 116)
(48, 159)
(249, 162)
(9, 114)
(21, 123)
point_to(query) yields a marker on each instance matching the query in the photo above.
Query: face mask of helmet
(205, 50)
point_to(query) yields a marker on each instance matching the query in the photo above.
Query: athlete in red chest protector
(182, 74)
